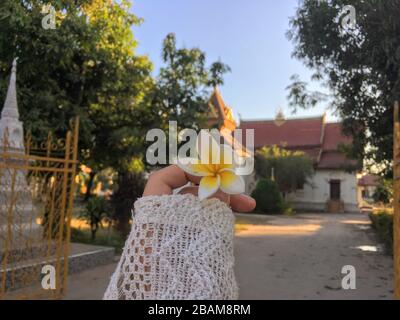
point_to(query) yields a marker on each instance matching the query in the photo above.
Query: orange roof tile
(313, 136)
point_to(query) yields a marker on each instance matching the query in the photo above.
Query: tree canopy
(184, 84)
(359, 65)
(290, 169)
(85, 67)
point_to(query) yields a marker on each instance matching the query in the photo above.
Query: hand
(164, 181)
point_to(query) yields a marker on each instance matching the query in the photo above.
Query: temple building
(220, 114)
(333, 187)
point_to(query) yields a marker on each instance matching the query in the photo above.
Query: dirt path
(298, 257)
(301, 257)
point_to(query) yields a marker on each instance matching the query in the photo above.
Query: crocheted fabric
(179, 248)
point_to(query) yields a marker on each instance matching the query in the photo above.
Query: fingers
(238, 203)
(222, 196)
(219, 195)
(164, 181)
(167, 179)
(242, 203)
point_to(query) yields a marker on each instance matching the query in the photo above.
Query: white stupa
(14, 190)
(11, 129)
(22, 246)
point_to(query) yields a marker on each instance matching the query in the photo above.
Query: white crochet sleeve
(179, 248)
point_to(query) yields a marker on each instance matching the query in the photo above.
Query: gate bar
(396, 201)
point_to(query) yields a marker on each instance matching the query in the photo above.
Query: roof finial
(10, 109)
(280, 117)
(324, 117)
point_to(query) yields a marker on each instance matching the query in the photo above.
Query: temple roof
(10, 109)
(220, 113)
(320, 140)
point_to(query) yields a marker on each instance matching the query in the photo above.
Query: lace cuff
(179, 248)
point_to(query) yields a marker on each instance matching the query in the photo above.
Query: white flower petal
(230, 182)
(193, 167)
(208, 186)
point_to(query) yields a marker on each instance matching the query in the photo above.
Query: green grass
(382, 222)
(104, 237)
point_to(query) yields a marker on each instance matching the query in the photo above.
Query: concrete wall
(316, 193)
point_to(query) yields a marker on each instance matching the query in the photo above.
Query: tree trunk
(93, 234)
(89, 185)
(122, 225)
(130, 187)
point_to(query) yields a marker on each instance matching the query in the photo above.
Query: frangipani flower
(216, 167)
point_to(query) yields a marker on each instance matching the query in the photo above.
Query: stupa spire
(10, 109)
(11, 129)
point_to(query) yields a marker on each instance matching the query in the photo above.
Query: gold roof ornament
(280, 118)
(219, 112)
(229, 114)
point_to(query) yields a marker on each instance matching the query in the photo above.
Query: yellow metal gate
(37, 186)
(396, 199)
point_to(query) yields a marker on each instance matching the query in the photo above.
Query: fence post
(396, 200)
(74, 157)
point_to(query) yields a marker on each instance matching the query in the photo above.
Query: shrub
(268, 197)
(384, 192)
(290, 169)
(382, 222)
(96, 210)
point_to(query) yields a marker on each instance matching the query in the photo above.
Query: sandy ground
(298, 257)
(302, 258)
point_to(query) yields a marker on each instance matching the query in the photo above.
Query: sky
(249, 36)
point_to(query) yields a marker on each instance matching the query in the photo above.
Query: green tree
(87, 66)
(180, 93)
(131, 186)
(290, 169)
(384, 192)
(268, 197)
(95, 212)
(360, 66)
(183, 85)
